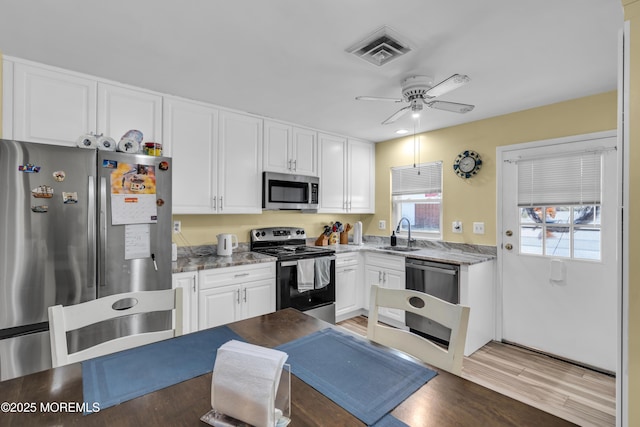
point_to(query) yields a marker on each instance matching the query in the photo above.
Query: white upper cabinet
(347, 179)
(52, 106)
(217, 159)
(239, 163)
(360, 176)
(56, 106)
(191, 134)
(121, 109)
(290, 149)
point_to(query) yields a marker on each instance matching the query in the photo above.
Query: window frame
(396, 203)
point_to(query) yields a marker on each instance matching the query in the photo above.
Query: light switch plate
(478, 228)
(382, 224)
(456, 226)
(177, 227)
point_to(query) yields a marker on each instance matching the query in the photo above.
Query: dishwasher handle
(429, 268)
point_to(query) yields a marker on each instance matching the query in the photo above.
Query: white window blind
(424, 178)
(560, 180)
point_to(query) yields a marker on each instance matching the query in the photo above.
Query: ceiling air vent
(381, 47)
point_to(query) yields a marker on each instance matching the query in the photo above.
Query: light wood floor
(576, 394)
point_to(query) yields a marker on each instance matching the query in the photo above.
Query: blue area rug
(365, 380)
(118, 377)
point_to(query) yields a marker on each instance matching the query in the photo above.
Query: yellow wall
(474, 199)
(632, 14)
(203, 229)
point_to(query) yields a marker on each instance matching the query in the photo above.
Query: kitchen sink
(399, 248)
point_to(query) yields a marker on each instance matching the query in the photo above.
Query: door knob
(508, 246)
(509, 233)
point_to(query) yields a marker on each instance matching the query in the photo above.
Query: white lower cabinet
(188, 281)
(233, 293)
(387, 271)
(348, 285)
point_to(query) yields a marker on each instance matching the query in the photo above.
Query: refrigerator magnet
(59, 176)
(29, 168)
(163, 166)
(40, 209)
(42, 192)
(70, 198)
(109, 164)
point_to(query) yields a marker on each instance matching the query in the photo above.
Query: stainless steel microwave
(281, 191)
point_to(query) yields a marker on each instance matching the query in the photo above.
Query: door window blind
(424, 178)
(560, 180)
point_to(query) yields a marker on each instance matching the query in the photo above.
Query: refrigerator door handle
(103, 232)
(91, 235)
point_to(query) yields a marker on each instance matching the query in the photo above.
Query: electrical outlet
(478, 227)
(177, 227)
(456, 226)
(382, 224)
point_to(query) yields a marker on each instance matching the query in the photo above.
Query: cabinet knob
(509, 233)
(508, 246)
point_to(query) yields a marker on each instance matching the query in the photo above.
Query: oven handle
(293, 263)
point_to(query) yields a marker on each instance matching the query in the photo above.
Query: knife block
(322, 240)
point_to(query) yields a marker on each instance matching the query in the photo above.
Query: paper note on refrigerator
(137, 241)
(133, 194)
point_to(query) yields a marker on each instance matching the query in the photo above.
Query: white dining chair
(452, 316)
(72, 317)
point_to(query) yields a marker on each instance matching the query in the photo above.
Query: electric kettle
(225, 244)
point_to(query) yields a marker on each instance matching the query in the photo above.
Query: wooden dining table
(446, 400)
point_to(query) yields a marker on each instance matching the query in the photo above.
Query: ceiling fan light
(415, 114)
(448, 85)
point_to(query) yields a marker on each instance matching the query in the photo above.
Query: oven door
(288, 294)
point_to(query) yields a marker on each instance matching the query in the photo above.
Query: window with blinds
(416, 194)
(559, 200)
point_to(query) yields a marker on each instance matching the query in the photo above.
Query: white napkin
(306, 274)
(323, 272)
(245, 381)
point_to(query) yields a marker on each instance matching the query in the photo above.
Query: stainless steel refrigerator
(75, 225)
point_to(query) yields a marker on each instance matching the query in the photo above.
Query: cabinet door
(346, 289)
(277, 156)
(7, 100)
(191, 133)
(332, 173)
(189, 284)
(51, 106)
(372, 276)
(219, 306)
(305, 151)
(361, 177)
(240, 164)
(393, 279)
(258, 298)
(121, 109)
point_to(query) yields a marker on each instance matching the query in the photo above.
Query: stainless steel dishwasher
(437, 279)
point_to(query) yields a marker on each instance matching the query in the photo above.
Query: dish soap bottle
(393, 238)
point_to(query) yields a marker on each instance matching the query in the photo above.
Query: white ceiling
(286, 59)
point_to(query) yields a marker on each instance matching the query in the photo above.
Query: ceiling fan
(418, 91)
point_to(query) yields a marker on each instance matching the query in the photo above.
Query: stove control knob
(257, 234)
(263, 233)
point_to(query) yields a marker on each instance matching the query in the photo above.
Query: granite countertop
(204, 257)
(450, 253)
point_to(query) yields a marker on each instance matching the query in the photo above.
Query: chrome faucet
(409, 239)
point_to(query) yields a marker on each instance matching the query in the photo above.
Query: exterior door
(559, 248)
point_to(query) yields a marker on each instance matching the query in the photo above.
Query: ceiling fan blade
(450, 106)
(401, 112)
(448, 85)
(377, 98)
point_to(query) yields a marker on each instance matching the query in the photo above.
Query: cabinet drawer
(347, 259)
(216, 277)
(391, 262)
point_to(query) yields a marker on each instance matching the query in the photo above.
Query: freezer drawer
(24, 354)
